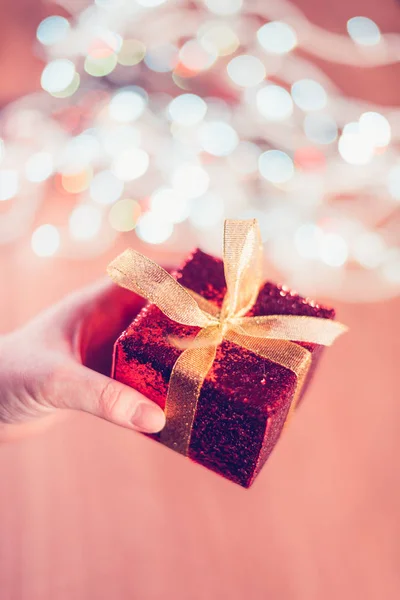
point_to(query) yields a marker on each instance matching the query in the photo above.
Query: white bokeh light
(151, 3)
(369, 249)
(52, 30)
(153, 230)
(333, 250)
(127, 105)
(190, 180)
(307, 240)
(195, 57)
(363, 31)
(130, 164)
(161, 59)
(274, 103)
(39, 167)
(376, 128)
(57, 75)
(320, 128)
(276, 166)
(224, 7)
(394, 182)
(45, 240)
(207, 211)
(277, 37)
(85, 222)
(246, 70)
(354, 147)
(309, 95)
(218, 138)
(391, 266)
(187, 109)
(106, 188)
(9, 184)
(169, 205)
(218, 38)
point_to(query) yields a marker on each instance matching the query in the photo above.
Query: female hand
(61, 359)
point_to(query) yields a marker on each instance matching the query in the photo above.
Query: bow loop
(242, 266)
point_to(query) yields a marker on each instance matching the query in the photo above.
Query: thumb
(106, 398)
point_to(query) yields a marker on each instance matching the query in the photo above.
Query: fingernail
(149, 418)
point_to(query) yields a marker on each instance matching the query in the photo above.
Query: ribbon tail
(185, 384)
(291, 327)
(137, 273)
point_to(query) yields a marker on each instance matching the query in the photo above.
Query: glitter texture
(244, 400)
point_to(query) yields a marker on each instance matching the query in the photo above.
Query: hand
(62, 358)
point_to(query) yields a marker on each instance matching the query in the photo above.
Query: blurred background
(145, 123)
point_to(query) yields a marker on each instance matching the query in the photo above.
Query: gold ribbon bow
(267, 336)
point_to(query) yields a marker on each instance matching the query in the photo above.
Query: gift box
(228, 385)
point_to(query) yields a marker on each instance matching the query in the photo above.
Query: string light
(229, 120)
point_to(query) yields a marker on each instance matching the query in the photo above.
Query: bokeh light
(85, 222)
(354, 147)
(9, 184)
(274, 103)
(375, 128)
(224, 7)
(246, 70)
(276, 166)
(169, 205)
(277, 37)
(190, 180)
(320, 128)
(218, 38)
(162, 58)
(132, 52)
(124, 215)
(218, 138)
(130, 164)
(309, 95)
(153, 230)
(45, 240)
(58, 75)
(105, 187)
(127, 105)
(39, 167)
(187, 109)
(207, 211)
(363, 31)
(52, 30)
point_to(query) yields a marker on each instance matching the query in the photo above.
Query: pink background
(92, 511)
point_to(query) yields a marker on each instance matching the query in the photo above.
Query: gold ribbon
(267, 336)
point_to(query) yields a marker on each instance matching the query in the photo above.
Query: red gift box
(245, 399)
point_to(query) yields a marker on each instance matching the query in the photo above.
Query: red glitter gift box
(245, 398)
